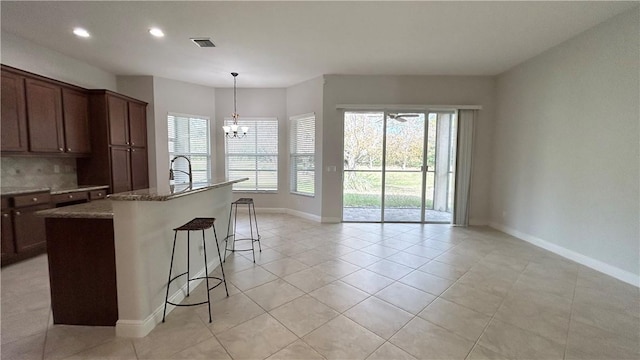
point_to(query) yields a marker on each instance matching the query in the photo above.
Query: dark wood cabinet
(75, 106)
(44, 116)
(137, 125)
(14, 115)
(120, 169)
(29, 229)
(118, 121)
(118, 127)
(8, 244)
(23, 233)
(139, 169)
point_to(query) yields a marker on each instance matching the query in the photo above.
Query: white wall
(566, 156)
(305, 98)
(29, 56)
(415, 90)
(255, 103)
(182, 98)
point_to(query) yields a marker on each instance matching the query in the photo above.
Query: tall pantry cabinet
(119, 143)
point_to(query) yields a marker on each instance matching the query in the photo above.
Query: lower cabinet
(8, 241)
(23, 233)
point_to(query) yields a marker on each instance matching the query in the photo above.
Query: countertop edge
(97, 209)
(80, 188)
(131, 196)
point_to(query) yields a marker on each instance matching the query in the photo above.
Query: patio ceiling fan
(401, 117)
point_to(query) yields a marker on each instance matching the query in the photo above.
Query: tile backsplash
(55, 173)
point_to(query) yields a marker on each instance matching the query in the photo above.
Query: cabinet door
(44, 115)
(14, 116)
(137, 125)
(118, 115)
(8, 245)
(76, 121)
(120, 169)
(139, 169)
(29, 228)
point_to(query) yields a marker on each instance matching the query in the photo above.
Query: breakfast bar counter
(120, 248)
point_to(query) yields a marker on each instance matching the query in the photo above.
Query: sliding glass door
(398, 166)
(404, 167)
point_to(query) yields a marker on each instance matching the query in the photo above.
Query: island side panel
(143, 242)
(82, 271)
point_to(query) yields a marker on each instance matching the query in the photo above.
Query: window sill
(302, 194)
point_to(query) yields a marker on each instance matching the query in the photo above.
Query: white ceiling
(278, 44)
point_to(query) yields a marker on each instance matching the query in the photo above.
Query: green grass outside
(402, 191)
(391, 201)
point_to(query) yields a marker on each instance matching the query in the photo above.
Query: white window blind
(254, 156)
(302, 157)
(190, 136)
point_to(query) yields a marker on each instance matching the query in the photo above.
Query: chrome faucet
(171, 171)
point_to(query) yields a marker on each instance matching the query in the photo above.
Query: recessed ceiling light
(81, 32)
(156, 32)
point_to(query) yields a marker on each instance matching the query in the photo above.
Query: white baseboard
(297, 213)
(622, 275)
(304, 215)
(140, 328)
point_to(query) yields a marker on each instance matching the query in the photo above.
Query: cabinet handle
(132, 143)
(34, 199)
(5, 215)
(70, 196)
(99, 194)
(68, 149)
(18, 213)
(127, 143)
(128, 150)
(61, 149)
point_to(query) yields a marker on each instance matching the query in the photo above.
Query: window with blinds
(302, 157)
(254, 156)
(189, 136)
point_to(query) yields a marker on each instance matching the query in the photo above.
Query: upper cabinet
(43, 116)
(127, 122)
(137, 124)
(14, 113)
(118, 143)
(75, 107)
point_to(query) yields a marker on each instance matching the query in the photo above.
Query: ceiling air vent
(203, 42)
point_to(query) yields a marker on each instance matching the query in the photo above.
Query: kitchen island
(142, 222)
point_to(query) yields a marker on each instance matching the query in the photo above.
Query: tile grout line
(573, 298)
(497, 309)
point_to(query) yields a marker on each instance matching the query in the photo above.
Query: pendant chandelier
(233, 130)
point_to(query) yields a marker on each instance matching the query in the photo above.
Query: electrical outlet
(56, 169)
(201, 249)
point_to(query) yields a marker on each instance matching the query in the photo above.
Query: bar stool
(251, 206)
(194, 225)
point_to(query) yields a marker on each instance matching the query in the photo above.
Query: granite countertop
(97, 209)
(172, 192)
(16, 190)
(78, 188)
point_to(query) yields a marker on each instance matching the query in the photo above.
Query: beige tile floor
(360, 291)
